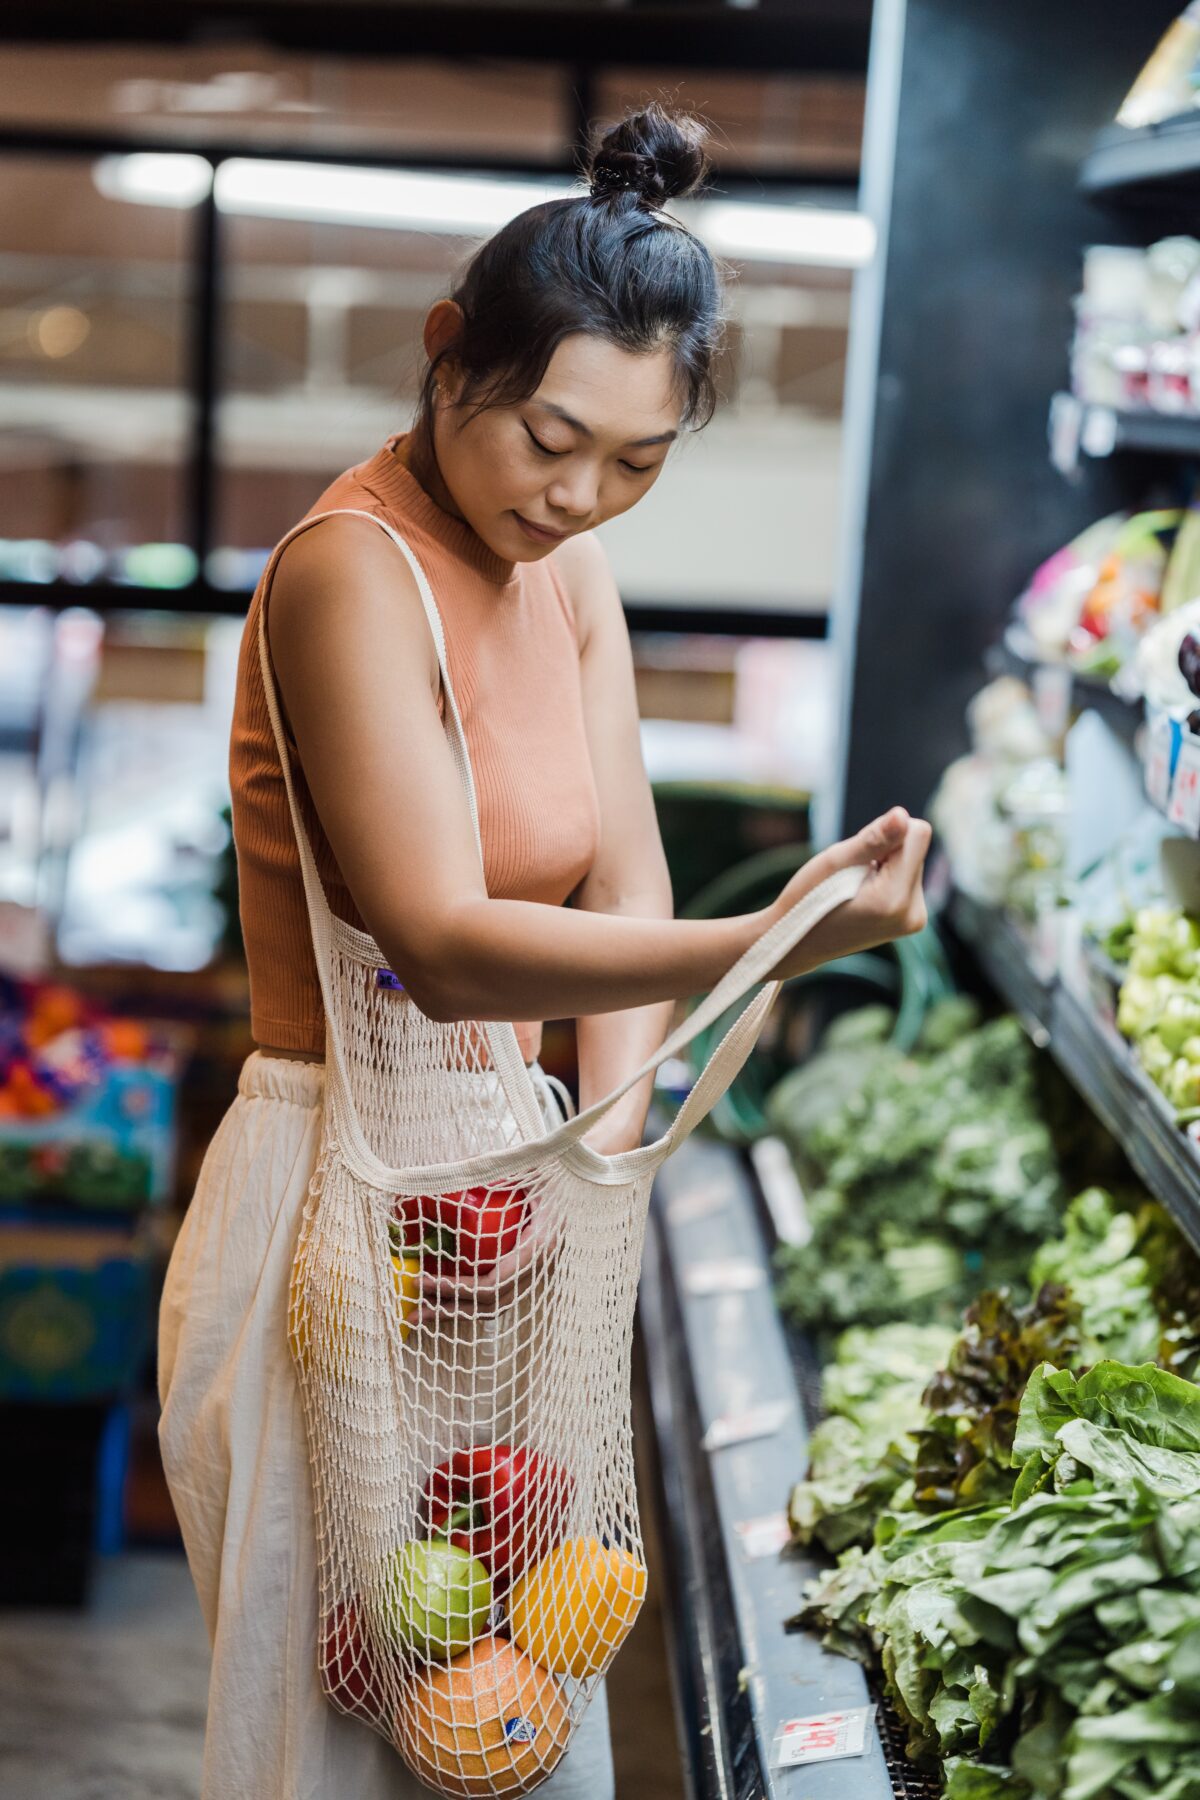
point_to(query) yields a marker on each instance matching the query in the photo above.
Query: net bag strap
(501, 1038)
(753, 966)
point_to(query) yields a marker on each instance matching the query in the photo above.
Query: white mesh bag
(461, 1317)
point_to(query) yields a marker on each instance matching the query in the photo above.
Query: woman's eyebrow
(664, 437)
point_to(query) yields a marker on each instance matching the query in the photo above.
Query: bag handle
(501, 1038)
(755, 963)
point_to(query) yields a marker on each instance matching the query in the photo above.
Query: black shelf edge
(1153, 163)
(1096, 1061)
(1103, 431)
(685, 617)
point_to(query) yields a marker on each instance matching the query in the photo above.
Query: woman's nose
(576, 495)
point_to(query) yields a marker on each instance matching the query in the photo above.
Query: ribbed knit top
(513, 656)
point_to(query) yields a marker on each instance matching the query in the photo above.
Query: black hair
(609, 263)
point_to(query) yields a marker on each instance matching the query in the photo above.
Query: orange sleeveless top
(513, 655)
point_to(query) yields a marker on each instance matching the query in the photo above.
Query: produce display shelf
(1155, 164)
(1014, 656)
(738, 1673)
(1096, 1061)
(1005, 961)
(1100, 1066)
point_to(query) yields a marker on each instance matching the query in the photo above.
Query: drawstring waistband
(281, 1078)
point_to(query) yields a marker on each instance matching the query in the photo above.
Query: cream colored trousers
(236, 1460)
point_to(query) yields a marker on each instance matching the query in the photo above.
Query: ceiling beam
(811, 36)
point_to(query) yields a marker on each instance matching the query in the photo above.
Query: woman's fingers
(891, 895)
(883, 836)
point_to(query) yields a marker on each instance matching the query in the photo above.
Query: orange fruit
(573, 1611)
(489, 1722)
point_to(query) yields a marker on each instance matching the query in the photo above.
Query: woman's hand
(890, 903)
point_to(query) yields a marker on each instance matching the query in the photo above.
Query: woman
(575, 349)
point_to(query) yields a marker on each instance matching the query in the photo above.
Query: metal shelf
(1081, 428)
(1156, 165)
(1005, 961)
(1096, 1061)
(738, 1673)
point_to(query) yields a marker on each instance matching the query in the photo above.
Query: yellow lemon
(406, 1279)
(574, 1610)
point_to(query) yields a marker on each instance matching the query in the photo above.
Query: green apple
(435, 1598)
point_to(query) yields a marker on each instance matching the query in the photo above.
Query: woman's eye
(634, 468)
(544, 448)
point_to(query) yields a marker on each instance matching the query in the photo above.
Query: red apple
(349, 1669)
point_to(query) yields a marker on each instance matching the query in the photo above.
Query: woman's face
(585, 447)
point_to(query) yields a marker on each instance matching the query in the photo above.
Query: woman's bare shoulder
(343, 575)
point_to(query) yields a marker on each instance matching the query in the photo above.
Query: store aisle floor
(109, 1701)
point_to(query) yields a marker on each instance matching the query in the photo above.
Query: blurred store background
(958, 444)
(218, 242)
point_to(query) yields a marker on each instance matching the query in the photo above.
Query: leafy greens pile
(921, 1171)
(1028, 1574)
(859, 1463)
(901, 1436)
(1058, 1638)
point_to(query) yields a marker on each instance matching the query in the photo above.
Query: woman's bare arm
(357, 672)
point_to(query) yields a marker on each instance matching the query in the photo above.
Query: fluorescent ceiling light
(463, 205)
(153, 179)
(799, 234)
(328, 192)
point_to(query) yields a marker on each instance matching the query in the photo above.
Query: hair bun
(656, 154)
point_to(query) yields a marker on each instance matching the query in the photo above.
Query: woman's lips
(538, 532)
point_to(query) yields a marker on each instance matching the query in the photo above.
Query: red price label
(1184, 807)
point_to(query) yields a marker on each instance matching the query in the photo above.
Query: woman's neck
(417, 454)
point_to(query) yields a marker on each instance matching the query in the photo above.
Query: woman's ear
(443, 328)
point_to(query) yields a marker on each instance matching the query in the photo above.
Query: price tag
(1066, 421)
(1052, 698)
(742, 1428)
(1158, 762)
(735, 1276)
(763, 1537)
(1098, 431)
(1184, 805)
(822, 1737)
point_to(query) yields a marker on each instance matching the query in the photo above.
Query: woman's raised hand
(890, 903)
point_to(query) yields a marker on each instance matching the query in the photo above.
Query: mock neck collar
(399, 487)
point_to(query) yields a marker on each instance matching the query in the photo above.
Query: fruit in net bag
(321, 1321)
(350, 1673)
(490, 1722)
(435, 1600)
(572, 1611)
(504, 1505)
(463, 1233)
